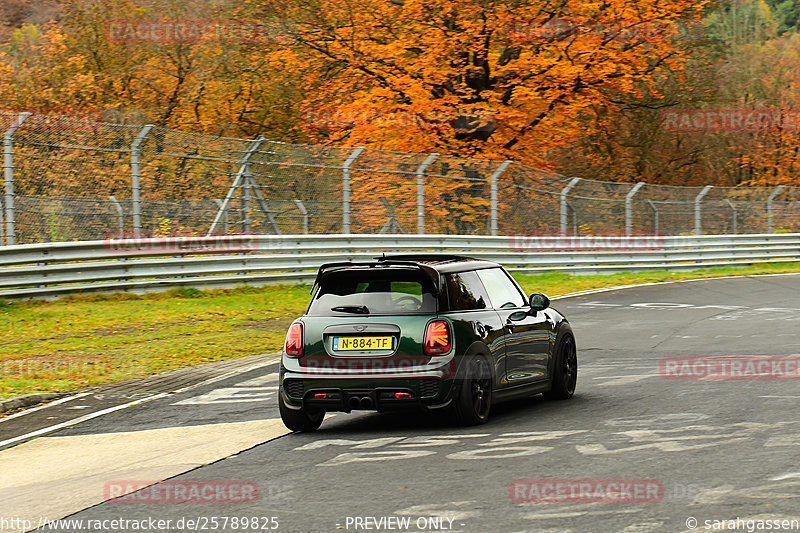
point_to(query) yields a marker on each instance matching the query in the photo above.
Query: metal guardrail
(140, 265)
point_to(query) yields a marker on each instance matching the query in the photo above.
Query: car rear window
(382, 292)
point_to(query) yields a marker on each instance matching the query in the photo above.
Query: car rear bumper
(377, 393)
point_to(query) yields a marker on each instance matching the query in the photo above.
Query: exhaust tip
(353, 403)
(366, 402)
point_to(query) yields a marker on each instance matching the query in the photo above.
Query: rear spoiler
(430, 273)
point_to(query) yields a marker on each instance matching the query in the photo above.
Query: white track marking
(48, 404)
(90, 416)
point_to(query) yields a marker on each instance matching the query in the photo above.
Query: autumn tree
(503, 80)
(471, 78)
(93, 59)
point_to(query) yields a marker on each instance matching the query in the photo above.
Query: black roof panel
(441, 262)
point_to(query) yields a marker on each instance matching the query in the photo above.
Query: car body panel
(527, 345)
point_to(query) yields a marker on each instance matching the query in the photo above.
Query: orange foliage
(495, 80)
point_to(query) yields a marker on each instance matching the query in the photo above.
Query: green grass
(557, 284)
(79, 341)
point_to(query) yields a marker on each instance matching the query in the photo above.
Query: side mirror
(539, 302)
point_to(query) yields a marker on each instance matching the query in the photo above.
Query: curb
(29, 400)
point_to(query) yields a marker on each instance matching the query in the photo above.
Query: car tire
(299, 420)
(565, 372)
(473, 399)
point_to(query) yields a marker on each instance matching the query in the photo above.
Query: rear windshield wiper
(359, 309)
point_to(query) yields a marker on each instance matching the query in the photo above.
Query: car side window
(465, 292)
(503, 293)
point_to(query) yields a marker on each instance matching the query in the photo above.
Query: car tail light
(437, 337)
(402, 395)
(294, 340)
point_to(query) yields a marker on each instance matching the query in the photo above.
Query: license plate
(362, 343)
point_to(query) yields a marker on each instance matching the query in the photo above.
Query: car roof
(442, 263)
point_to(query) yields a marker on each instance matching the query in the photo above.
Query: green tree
(787, 14)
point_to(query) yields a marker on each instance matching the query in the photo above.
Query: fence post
(346, 188)
(770, 202)
(655, 215)
(8, 171)
(495, 177)
(734, 219)
(565, 206)
(574, 219)
(629, 208)
(421, 192)
(245, 197)
(698, 223)
(120, 216)
(239, 181)
(303, 211)
(136, 189)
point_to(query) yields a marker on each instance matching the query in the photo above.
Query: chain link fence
(73, 179)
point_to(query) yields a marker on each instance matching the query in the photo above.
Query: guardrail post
(655, 215)
(698, 223)
(120, 217)
(734, 219)
(8, 172)
(629, 208)
(136, 189)
(421, 192)
(303, 211)
(239, 181)
(770, 202)
(565, 206)
(493, 212)
(346, 188)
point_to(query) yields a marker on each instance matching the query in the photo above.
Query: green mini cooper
(422, 332)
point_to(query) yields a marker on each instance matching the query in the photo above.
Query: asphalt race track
(666, 454)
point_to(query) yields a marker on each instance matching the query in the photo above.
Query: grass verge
(79, 341)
